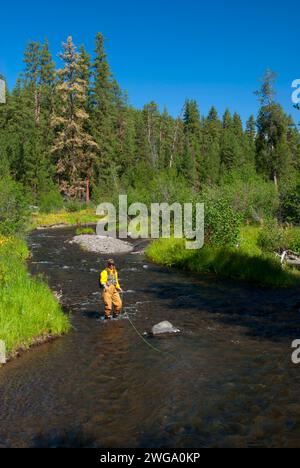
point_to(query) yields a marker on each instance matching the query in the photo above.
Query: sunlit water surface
(227, 381)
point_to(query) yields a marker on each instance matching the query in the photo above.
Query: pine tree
(237, 127)
(166, 139)
(31, 109)
(20, 129)
(230, 144)
(32, 61)
(73, 147)
(102, 121)
(293, 141)
(251, 129)
(250, 136)
(4, 161)
(192, 161)
(123, 130)
(227, 120)
(211, 136)
(47, 80)
(151, 123)
(272, 158)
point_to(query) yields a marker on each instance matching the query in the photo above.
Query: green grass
(231, 263)
(28, 309)
(249, 239)
(85, 231)
(86, 216)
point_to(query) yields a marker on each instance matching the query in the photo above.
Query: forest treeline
(70, 134)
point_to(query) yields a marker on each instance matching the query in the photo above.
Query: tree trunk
(37, 106)
(87, 194)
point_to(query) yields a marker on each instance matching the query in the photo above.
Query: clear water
(227, 381)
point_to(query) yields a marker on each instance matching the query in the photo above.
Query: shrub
(292, 237)
(247, 193)
(165, 187)
(50, 201)
(18, 247)
(290, 203)
(222, 224)
(73, 206)
(272, 237)
(13, 207)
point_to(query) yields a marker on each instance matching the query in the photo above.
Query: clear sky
(214, 51)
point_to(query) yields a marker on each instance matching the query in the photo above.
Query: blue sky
(169, 50)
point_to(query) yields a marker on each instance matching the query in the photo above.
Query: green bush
(290, 203)
(222, 224)
(73, 206)
(292, 237)
(272, 237)
(50, 202)
(247, 193)
(14, 210)
(165, 187)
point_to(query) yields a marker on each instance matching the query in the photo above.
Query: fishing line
(268, 405)
(142, 337)
(139, 334)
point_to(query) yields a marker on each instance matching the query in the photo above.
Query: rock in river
(164, 328)
(105, 245)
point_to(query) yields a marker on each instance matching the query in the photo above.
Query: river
(226, 381)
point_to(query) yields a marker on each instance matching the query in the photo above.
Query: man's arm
(103, 279)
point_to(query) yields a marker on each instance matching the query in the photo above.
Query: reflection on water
(226, 381)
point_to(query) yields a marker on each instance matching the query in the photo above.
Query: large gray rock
(164, 328)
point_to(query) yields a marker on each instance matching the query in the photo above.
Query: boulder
(164, 328)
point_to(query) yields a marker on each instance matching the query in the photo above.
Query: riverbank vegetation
(28, 309)
(29, 312)
(247, 263)
(64, 217)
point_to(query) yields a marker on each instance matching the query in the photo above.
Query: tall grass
(64, 217)
(226, 262)
(28, 309)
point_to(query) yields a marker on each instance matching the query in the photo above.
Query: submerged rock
(164, 328)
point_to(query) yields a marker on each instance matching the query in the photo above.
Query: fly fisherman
(109, 282)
